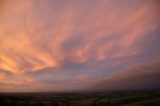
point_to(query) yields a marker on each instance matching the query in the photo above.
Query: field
(127, 98)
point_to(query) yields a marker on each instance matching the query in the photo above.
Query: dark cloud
(145, 76)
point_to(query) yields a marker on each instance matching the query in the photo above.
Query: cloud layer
(52, 42)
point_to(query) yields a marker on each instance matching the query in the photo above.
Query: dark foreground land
(127, 98)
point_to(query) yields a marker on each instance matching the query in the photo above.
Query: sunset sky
(61, 45)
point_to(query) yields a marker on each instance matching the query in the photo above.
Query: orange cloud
(2, 76)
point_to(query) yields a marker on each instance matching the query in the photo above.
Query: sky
(65, 45)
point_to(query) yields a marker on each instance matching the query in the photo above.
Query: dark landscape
(123, 98)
